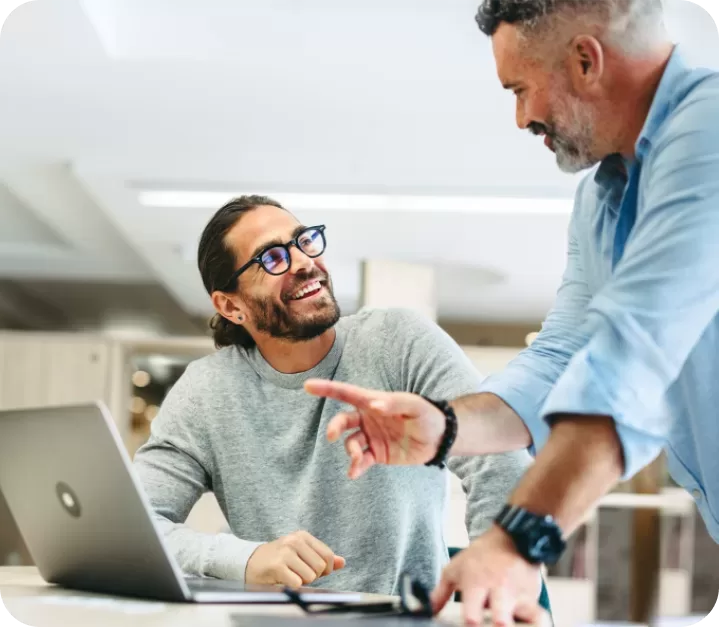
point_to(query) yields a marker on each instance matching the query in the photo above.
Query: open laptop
(86, 521)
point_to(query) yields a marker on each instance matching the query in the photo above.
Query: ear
(586, 63)
(228, 307)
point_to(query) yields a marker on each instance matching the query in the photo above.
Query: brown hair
(216, 262)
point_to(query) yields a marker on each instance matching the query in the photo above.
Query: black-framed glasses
(276, 259)
(414, 600)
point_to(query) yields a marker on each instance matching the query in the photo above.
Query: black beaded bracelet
(450, 433)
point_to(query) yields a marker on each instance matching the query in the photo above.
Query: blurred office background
(125, 123)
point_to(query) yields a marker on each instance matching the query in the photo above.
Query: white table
(33, 602)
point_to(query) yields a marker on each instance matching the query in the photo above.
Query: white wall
(490, 359)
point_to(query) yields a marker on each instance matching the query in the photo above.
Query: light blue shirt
(634, 332)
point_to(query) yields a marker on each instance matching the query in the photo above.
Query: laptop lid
(67, 480)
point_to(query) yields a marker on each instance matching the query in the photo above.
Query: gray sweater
(235, 426)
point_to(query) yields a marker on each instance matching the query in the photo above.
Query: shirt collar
(610, 169)
(663, 103)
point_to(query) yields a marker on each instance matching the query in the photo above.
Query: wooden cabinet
(47, 369)
(38, 369)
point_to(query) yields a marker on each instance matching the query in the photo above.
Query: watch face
(537, 538)
(545, 542)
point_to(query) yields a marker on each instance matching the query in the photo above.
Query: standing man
(627, 361)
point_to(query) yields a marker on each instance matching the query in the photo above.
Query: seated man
(239, 423)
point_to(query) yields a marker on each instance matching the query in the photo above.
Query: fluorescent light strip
(363, 202)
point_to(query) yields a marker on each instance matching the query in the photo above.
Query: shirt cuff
(229, 557)
(588, 388)
(524, 395)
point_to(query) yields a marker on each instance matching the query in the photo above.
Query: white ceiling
(103, 98)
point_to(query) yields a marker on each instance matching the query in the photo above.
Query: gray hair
(632, 26)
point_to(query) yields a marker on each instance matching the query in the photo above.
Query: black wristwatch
(450, 433)
(538, 538)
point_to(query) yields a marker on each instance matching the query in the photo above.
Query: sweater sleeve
(174, 471)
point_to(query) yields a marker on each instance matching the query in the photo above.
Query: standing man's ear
(586, 63)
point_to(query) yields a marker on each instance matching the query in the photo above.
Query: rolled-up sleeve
(527, 380)
(664, 292)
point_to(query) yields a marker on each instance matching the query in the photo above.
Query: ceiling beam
(22, 310)
(55, 197)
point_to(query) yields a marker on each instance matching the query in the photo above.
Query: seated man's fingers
(339, 562)
(312, 558)
(326, 554)
(297, 563)
(287, 577)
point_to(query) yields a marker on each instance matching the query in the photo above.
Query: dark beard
(277, 321)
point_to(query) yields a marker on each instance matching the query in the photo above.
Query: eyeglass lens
(276, 260)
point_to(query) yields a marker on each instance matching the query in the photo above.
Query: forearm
(174, 481)
(580, 463)
(220, 555)
(487, 481)
(486, 424)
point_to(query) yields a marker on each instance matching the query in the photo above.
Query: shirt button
(697, 494)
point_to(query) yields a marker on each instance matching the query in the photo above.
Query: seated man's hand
(389, 427)
(293, 560)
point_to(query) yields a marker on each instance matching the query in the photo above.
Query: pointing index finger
(343, 392)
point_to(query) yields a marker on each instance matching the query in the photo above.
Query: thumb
(339, 562)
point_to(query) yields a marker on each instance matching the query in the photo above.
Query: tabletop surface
(30, 600)
(33, 602)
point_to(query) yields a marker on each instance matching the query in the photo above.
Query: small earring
(241, 318)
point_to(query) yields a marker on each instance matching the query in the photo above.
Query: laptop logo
(68, 499)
